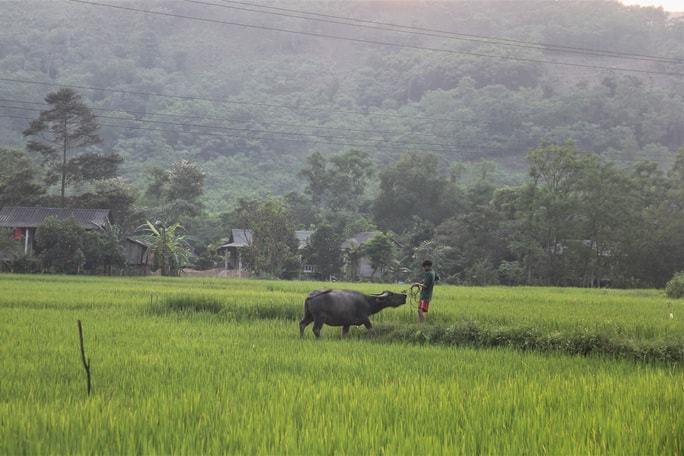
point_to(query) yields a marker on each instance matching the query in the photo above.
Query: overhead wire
(463, 150)
(281, 124)
(385, 26)
(358, 142)
(368, 113)
(384, 43)
(479, 148)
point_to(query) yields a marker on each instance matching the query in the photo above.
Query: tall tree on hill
(342, 185)
(415, 186)
(177, 191)
(69, 125)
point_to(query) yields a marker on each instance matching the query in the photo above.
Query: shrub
(675, 287)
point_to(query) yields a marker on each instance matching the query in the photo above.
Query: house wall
(134, 253)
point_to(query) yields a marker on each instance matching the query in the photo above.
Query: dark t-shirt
(429, 282)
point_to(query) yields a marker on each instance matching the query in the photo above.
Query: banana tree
(167, 248)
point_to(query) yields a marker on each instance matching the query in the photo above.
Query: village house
(24, 221)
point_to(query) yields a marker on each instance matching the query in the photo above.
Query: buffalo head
(389, 299)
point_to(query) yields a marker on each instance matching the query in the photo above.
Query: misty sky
(668, 5)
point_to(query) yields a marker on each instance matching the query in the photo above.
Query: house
(25, 220)
(240, 238)
(135, 255)
(303, 238)
(356, 266)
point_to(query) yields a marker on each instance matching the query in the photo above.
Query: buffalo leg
(317, 328)
(345, 331)
(369, 327)
(304, 323)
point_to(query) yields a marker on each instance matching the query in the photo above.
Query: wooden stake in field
(86, 364)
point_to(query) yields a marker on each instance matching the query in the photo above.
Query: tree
(556, 172)
(476, 235)
(323, 251)
(516, 205)
(348, 177)
(343, 184)
(18, 185)
(186, 182)
(274, 244)
(167, 247)
(89, 167)
(414, 186)
(68, 126)
(446, 260)
(316, 176)
(103, 250)
(60, 245)
(157, 182)
(610, 205)
(658, 252)
(114, 194)
(303, 211)
(380, 251)
(652, 182)
(177, 191)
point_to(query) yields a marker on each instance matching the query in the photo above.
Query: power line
(483, 124)
(411, 144)
(218, 100)
(269, 105)
(459, 149)
(252, 130)
(439, 33)
(462, 150)
(261, 105)
(280, 124)
(383, 43)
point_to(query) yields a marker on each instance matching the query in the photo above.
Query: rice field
(216, 366)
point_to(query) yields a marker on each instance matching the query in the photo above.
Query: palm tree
(169, 251)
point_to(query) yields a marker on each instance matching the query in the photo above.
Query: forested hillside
(248, 91)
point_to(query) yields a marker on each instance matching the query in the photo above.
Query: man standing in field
(426, 290)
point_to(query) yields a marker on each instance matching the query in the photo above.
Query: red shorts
(424, 305)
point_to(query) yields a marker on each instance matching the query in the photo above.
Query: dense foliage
(469, 81)
(675, 287)
(513, 145)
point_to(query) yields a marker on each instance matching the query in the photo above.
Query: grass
(193, 366)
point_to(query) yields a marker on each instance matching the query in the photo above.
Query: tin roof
(240, 237)
(31, 217)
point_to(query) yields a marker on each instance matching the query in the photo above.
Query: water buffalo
(345, 308)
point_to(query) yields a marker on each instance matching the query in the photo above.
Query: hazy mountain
(248, 90)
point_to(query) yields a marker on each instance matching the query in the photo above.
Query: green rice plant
(494, 370)
(196, 385)
(186, 303)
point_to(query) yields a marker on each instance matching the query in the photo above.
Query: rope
(413, 294)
